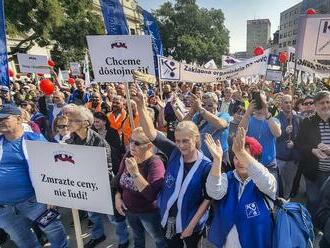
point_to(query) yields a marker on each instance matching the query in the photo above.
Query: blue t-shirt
(15, 183)
(217, 134)
(259, 129)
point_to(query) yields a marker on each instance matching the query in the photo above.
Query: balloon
(51, 63)
(47, 87)
(283, 57)
(71, 81)
(11, 72)
(258, 51)
(40, 74)
(311, 11)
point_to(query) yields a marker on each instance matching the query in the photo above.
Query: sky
(237, 12)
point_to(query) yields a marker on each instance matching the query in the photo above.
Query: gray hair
(83, 113)
(211, 95)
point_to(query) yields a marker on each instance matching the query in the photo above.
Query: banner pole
(77, 228)
(160, 84)
(129, 105)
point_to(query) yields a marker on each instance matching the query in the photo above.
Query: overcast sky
(237, 12)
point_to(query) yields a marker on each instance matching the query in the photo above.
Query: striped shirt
(324, 164)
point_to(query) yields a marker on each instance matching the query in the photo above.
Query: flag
(211, 65)
(114, 17)
(4, 77)
(60, 75)
(86, 71)
(228, 61)
(151, 28)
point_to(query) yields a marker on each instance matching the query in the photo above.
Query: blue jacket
(188, 192)
(249, 214)
(74, 98)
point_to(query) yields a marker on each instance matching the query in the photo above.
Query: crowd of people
(195, 159)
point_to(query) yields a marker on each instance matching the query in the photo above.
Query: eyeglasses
(137, 143)
(308, 103)
(62, 126)
(74, 120)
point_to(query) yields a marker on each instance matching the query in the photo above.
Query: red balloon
(40, 74)
(311, 11)
(283, 57)
(71, 81)
(11, 72)
(51, 63)
(258, 51)
(47, 87)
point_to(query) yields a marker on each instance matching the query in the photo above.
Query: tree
(191, 33)
(63, 24)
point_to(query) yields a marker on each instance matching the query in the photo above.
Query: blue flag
(114, 17)
(4, 77)
(151, 28)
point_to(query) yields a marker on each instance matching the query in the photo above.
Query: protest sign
(70, 176)
(305, 65)
(75, 68)
(228, 61)
(29, 63)
(274, 75)
(115, 57)
(171, 70)
(314, 37)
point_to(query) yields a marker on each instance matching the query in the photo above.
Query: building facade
(258, 34)
(289, 23)
(321, 6)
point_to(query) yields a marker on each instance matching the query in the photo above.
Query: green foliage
(191, 33)
(61, 24)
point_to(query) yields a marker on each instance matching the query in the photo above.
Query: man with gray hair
(205, 115)
(313, 141)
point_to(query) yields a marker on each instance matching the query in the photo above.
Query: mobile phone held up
(257, 99)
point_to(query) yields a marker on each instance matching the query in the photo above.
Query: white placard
(115, 57)
(171, 70)
(314, 37)
(274, 75)
(29, 63)
(75, 68)
(70, 176)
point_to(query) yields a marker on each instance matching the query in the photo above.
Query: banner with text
(33, 63)
(70, 176)
(305, 65)
(171, 70)
(115, 58)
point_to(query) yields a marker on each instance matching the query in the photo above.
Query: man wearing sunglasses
(17, 196)
(205, 115)
(308, 106)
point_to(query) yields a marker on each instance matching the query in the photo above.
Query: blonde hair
(189, 126)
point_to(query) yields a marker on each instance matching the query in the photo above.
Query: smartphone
(47, 217)
(257, 99)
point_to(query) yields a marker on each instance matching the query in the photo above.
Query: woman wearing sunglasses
(60, 129)
(182, 201)
(139, 181)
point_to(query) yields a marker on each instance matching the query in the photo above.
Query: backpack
(293, 226)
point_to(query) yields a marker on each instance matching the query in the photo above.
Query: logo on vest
(169, 181)
(252, 210)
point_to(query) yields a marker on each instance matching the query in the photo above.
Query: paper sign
(29, 63)
(70, 176)
(75, 68)
(115, 57)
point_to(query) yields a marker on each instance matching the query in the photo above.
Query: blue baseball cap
(8, 110)
(4, 88)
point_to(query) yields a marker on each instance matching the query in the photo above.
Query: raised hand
(137, 94)
(239, 141)
(214, 147)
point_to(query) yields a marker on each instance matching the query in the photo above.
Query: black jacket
(309, 137)
(323, 213)
(93, 139)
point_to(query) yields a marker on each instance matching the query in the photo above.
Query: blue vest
(250, 215)
(188, 192)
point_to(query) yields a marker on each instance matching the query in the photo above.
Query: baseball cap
(8, 110)
(4, 88)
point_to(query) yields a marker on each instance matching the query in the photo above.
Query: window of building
(280, 45)
(289, 43)
(132, 31)
(284, 44)
(294, 42)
